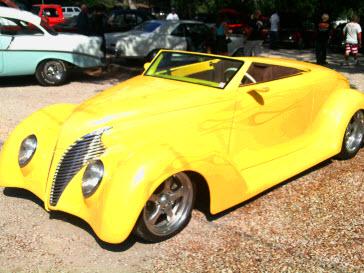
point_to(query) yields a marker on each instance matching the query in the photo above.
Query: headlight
(92, 177)
(27, 150)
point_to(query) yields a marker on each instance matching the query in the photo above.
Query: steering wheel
(229, 72)
(250, 77)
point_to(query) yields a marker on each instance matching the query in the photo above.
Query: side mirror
(146, 66)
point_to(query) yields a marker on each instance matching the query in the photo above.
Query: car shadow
(209, 217)
(62, 216)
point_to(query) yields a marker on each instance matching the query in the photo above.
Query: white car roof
(20, 15)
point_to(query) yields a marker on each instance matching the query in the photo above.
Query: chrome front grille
(87, 148)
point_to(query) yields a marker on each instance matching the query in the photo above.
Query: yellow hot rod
(134, 157)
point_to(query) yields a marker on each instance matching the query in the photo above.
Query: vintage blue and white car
(29, 46)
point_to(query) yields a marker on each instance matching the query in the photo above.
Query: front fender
(114, 209)
(45, 124)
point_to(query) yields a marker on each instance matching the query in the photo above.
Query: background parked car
(52, 13)
(69, 12)
(126, 19)
(145, 40)
(28, 46)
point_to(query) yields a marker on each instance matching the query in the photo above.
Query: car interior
(259, 72)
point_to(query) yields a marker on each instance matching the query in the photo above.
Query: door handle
(261, 90)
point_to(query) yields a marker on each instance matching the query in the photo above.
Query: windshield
(199, 69)
(148, 26)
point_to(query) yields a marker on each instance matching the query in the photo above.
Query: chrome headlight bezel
(92, 177)
(27, 150)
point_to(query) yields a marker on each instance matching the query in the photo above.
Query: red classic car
(52, 13)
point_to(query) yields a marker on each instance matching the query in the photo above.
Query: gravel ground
(311, 223)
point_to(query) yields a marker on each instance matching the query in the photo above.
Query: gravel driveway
(311, 223)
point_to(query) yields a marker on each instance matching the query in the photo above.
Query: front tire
(168, 210)
(51, 72)
(353, 138)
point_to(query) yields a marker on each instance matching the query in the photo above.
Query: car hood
(138, 98)
(69, 42)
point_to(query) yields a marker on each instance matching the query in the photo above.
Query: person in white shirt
(352, 36)
(172, 15)
(274, 27)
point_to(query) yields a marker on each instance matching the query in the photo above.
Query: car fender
(45, 124)
(329, 126)
(126, 191)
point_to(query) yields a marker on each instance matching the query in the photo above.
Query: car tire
(353, 138)
(168, 210)
(51, 72)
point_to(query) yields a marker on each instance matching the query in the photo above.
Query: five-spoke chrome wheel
(168, 209)
(353, 138)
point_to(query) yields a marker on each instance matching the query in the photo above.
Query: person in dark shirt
(83, 21)
(253, 45)
(323, 34)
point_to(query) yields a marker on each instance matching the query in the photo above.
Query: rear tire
(353, 138)
(168, 209)
(51, 73)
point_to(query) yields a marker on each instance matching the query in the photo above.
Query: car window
(50, 12)
(14, 27)
(193, 68)
(197, 29)
(148, 26)
(259, 72)
(63, 9)
(179, 31)
(69, 10)
(130, 19)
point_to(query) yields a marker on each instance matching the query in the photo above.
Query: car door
(177, 38)
(273, 115)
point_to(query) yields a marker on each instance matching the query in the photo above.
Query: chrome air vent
(87, 148)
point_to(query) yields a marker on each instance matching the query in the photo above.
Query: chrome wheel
(353, 138)
(354, 133)
(51, 72)
(169, 208)
(54, 70)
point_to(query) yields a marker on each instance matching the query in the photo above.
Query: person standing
(83, 21)
(172, 15)
(323, 34)
(98, 23)
(274, 28)
(253, 45)
(221, 34)
(352, 35)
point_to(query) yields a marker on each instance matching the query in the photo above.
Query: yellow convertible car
(134, 158)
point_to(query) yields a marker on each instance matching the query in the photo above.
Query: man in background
(83, 21)
(172, 15)
(323, 34)
(352, 36)
(274, 27)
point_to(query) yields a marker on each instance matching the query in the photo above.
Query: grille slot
(87, 148)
